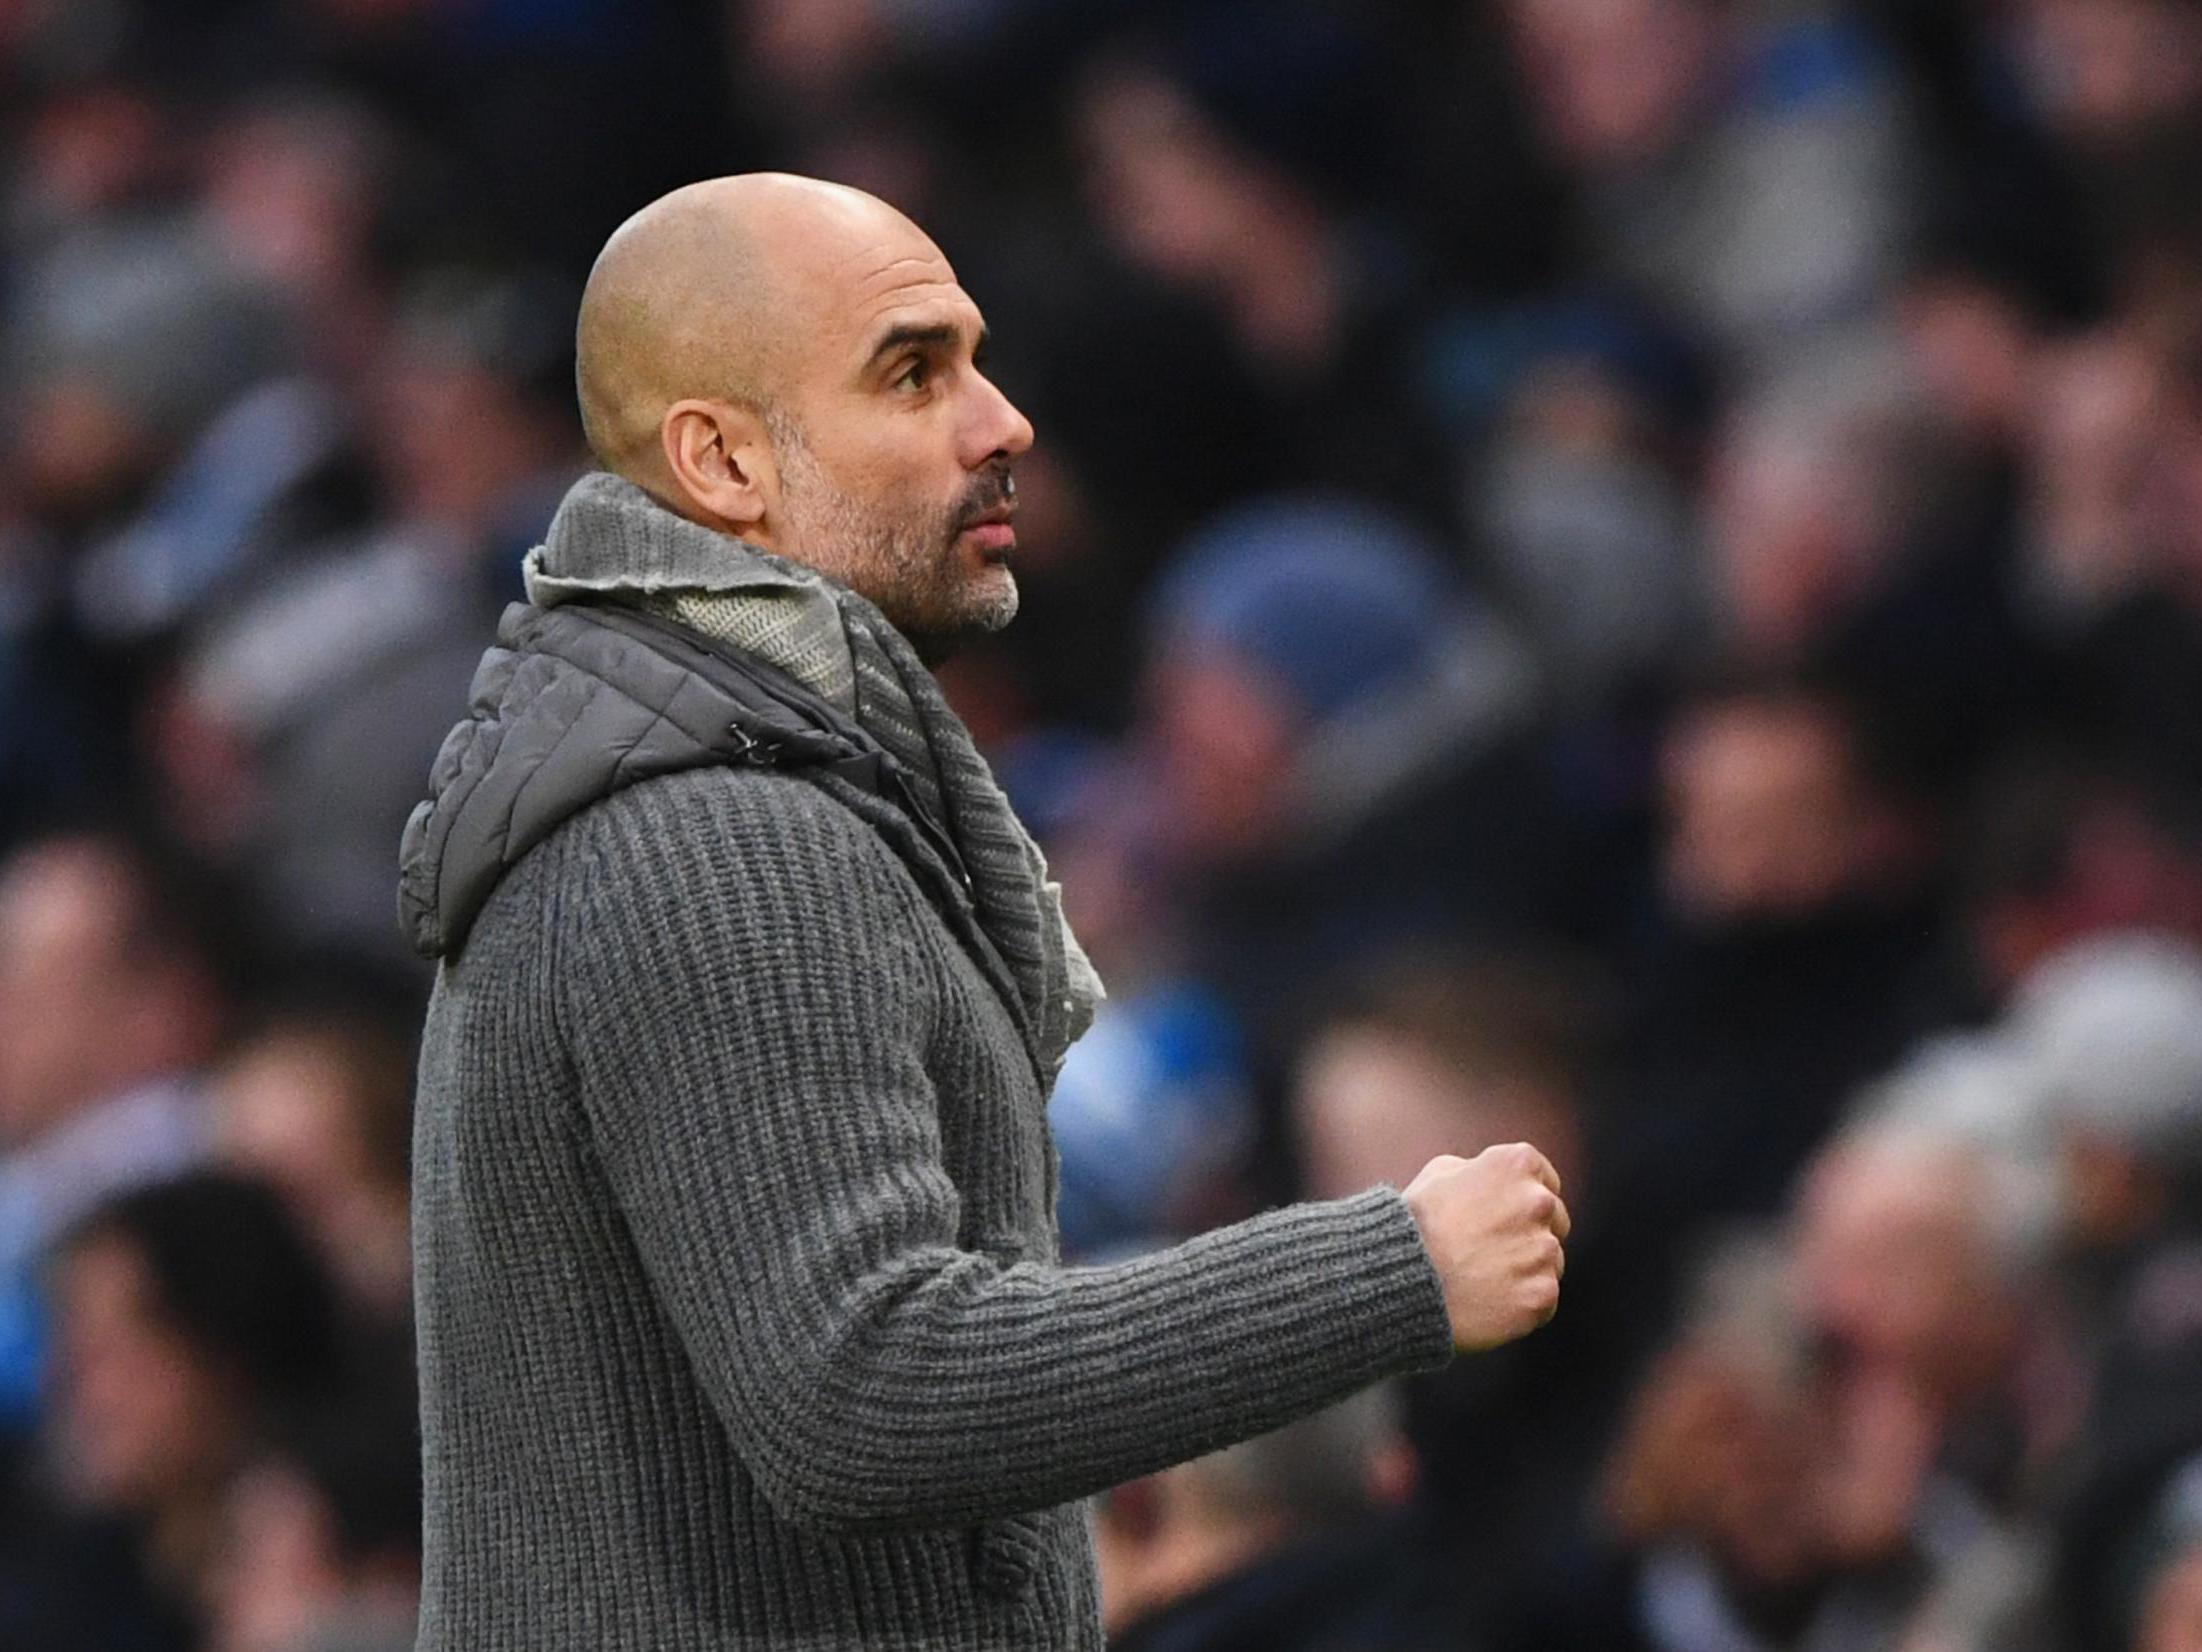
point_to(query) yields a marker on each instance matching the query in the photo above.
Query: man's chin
(999, 585)
(989, 603)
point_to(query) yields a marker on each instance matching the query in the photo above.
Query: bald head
(793, 364)
(709, 292)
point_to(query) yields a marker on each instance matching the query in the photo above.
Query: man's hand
(1493, 1225)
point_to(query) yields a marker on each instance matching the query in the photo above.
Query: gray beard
(904, 563)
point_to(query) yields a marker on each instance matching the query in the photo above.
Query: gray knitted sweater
(742, 1320)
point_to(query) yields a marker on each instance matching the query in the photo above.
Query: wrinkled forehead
(866, 276)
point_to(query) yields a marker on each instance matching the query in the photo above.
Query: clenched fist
(1493, 1225)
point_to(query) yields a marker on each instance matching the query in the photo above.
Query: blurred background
(1620, 572)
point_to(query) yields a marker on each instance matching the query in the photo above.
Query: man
(742, 1321)
(1277, 1545)
(108, 1009)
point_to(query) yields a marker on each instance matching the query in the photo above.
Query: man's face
(142, 1414)
(64, 1007)
(1895, 1270)
(1372, 1105)
(2171, 1613)
(1614, 81)
(1767, 817)
(895, 450)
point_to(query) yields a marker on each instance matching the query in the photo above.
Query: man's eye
(916, 375)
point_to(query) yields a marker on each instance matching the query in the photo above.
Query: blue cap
(1333, 599)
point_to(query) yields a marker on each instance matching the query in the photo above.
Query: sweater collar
(611, 538)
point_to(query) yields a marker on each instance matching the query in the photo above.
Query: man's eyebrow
(933, 335)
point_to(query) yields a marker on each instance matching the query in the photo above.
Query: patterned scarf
(611, 538)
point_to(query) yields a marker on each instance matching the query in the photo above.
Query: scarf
(611, 540)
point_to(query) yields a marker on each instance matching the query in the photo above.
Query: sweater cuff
(1388, 1286)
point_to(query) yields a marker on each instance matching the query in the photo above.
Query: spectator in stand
(1923, 1267)
(1793, 939)
(1744, 1517)
(1815, 503)
(2117, 85)
(317, 1102)
(2112, 557)
(1436, 1054)
(321, 1546)
(2167, 1615)
(1332, 758)
(2060, 851)
(324, 688)
(188, 1314)
(108, 1009)
(2112, 1026)
(1266, 1547)
(1741, 170)
(1153, 1122)
(298, 184)
(1224, 161)
(1589, 532)
(164, 427)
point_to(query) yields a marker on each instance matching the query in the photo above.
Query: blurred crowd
(1624, 573)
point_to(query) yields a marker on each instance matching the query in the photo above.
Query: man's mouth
(992, 531)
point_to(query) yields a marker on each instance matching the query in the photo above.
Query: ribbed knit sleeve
(747, 986)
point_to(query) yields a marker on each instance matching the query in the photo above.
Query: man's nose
(998, 428)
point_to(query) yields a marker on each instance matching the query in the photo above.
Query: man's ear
(721, 460)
